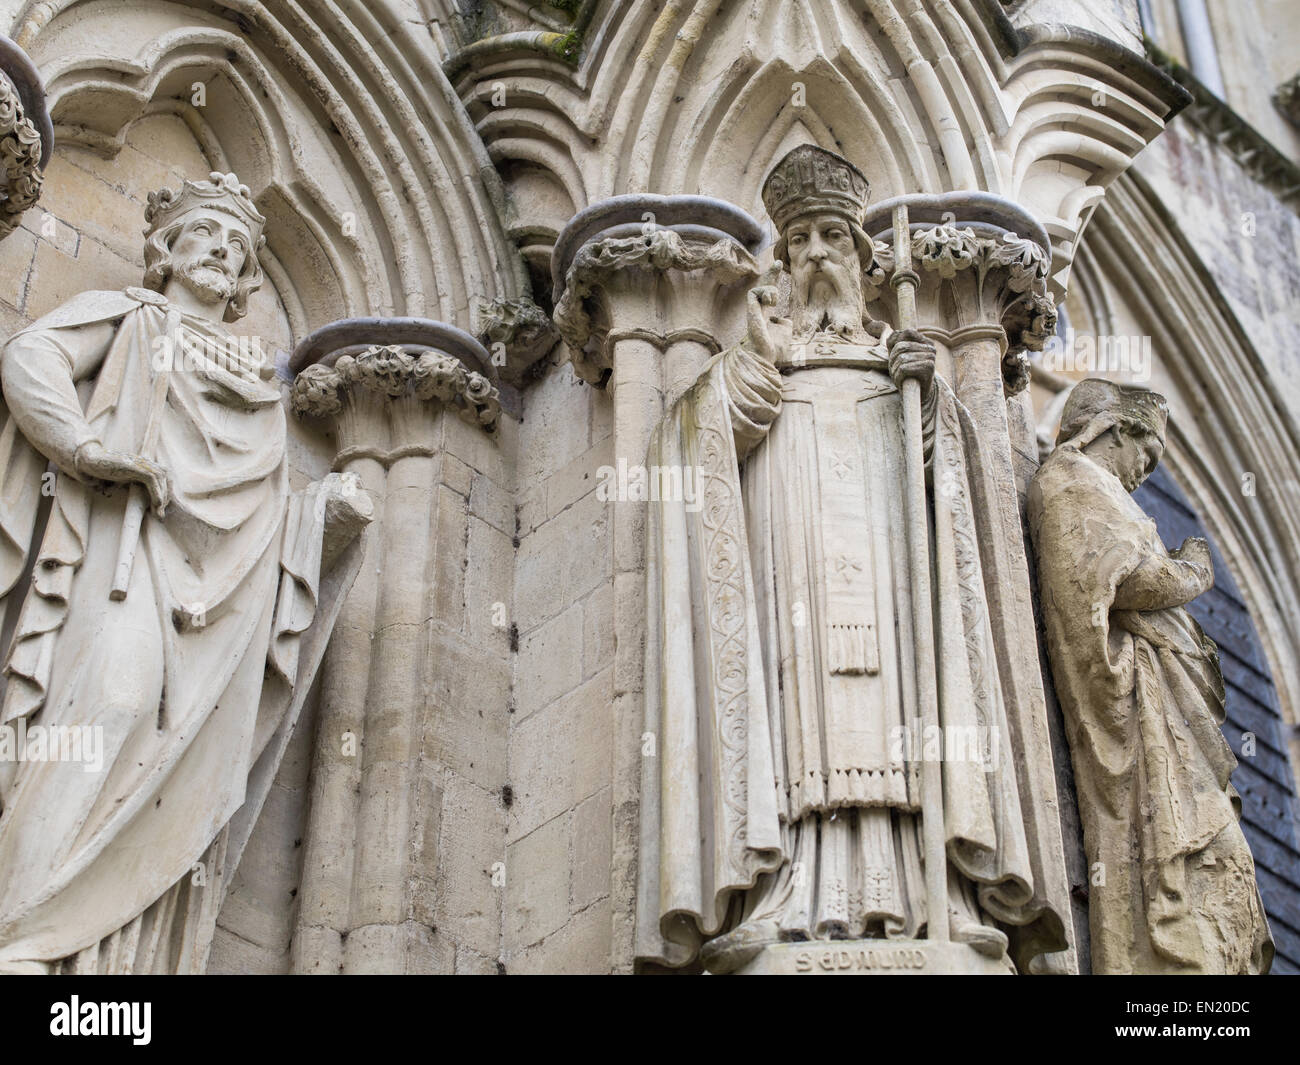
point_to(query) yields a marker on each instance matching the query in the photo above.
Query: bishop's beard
(830, 299)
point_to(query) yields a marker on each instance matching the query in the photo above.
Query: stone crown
(220, 192)
(810, 179)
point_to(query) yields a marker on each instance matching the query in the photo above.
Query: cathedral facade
(600, 486)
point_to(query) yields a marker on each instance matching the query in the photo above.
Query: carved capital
(393, 372)
(980, 262)
(724, 260)
(611, 256)
(382, 396)
(26, 135)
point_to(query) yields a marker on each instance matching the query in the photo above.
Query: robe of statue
(780, 672)
(1142, 694)
(195, 679)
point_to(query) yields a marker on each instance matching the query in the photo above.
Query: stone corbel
(26, 135)
(517, 332)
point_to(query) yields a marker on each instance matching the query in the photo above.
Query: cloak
(717, 790)
(1143, 700)
(195, 681)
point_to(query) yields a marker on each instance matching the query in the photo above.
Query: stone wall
(560, 828)
(1247, 239)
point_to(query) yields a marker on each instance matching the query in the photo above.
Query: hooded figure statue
(1172, 879)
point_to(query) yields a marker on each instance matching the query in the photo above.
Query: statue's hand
(96, 462)
(1197, 551)
(760, 337)
(911, 355)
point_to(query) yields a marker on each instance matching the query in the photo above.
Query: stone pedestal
(875, 957)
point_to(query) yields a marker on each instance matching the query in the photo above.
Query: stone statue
(783, 802)
(179, 599)
(1172, 880)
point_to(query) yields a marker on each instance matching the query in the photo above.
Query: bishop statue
(784, 801)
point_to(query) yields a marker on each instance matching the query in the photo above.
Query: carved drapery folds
(26, 135)
(983, 266)
(1173, 887)
(647, 288)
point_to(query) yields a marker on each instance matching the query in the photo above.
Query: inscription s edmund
(830, 961)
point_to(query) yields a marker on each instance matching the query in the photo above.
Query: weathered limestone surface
(506, 241)
(1172, 880)
(796, 443)
(176, 606)
(404, 826)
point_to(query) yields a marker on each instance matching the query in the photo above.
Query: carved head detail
(816, 200)
(1120, 427)
(206, 235)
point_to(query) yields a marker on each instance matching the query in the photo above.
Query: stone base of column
(874, 957)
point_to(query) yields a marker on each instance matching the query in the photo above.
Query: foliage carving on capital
(946, 249)
(1026, 263)
(316, 392)
(661, 249)
(20, 156)
(517, 332)
(1008, 274)
(390, 371)
(385, 370)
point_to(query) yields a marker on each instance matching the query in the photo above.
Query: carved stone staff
(904, 281)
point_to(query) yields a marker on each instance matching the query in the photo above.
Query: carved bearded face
(209, 253)
(826, 275)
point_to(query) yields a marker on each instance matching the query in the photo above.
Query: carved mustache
(211, 263)
(218, 264)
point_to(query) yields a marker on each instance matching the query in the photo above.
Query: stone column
(647, 288)
(371, 871)
(983, 264)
